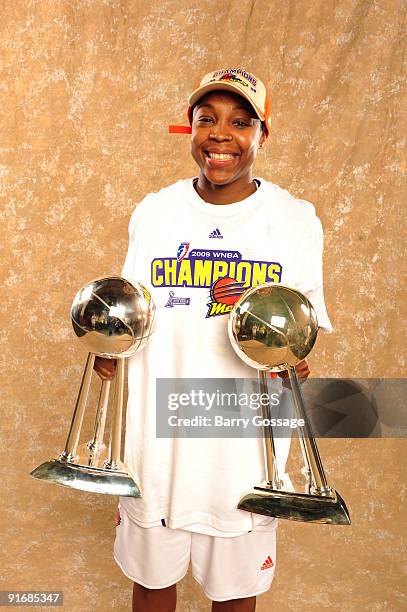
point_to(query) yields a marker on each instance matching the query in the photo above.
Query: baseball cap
(237, 80)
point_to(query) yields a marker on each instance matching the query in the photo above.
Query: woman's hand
(302, 370)
(105, 368)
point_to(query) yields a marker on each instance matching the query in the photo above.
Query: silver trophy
(272, 328)
(112, 318)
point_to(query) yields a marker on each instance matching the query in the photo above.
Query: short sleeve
(128, 268)
(310, 271)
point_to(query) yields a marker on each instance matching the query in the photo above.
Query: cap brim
(204, 89)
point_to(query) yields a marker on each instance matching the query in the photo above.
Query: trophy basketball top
(113, 317)
(272, 327)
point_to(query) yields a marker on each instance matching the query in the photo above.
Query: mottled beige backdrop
(88, 88)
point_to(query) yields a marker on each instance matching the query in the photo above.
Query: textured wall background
(87, 90)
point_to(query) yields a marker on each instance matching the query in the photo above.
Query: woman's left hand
(302, 370)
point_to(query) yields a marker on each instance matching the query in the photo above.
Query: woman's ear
(263, 138)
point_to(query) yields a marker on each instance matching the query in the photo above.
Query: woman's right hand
(105, 368)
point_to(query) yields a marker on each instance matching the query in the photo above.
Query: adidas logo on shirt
(215, 234)
(267, 564)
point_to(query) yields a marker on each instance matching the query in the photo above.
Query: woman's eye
(240, 123)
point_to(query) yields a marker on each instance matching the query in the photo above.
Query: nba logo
(182, 250)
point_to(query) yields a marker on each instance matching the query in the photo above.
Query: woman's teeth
(221, 155)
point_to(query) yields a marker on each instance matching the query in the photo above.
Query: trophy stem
(317, 479)
(115, 442)
(76, 424)
(272, 475)
(97, 440)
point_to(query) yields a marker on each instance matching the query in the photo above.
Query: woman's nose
(220, 132)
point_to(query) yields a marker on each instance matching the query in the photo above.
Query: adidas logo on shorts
(267, 564)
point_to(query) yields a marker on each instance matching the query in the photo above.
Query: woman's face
(226, 134)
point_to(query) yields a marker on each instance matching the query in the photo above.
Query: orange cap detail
(179, 129)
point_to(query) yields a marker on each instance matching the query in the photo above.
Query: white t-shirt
(180, 246)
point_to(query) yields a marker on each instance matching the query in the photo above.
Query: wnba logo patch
(224, 293)
(118, 518)
(182, 250)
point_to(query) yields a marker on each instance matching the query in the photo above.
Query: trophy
(272, 328)
(112, 318)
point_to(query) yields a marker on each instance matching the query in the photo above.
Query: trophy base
(86, 478)
(296, 506)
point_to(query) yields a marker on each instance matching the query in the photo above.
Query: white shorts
(226, 568)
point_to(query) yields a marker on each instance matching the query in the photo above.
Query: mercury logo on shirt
(224, 293)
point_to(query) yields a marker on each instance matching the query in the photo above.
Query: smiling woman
(226, 135)
(198, 245)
